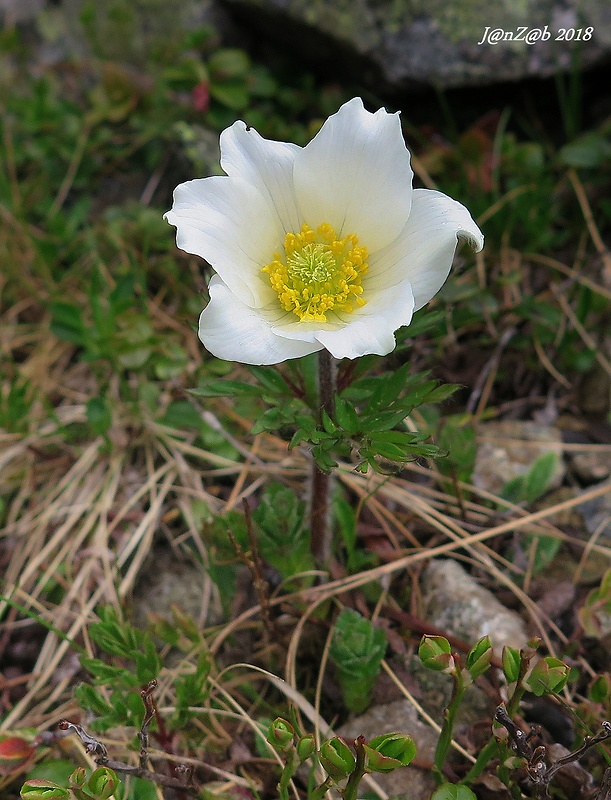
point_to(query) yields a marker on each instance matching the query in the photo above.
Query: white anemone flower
(322, 246)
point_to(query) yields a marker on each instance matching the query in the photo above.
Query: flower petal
(233, 331)
(229, 223)
(266, 165)
(373, 326)
(366, 330)
(424, 250)
(355, 174)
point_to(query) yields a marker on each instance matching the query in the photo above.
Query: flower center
(318, 273)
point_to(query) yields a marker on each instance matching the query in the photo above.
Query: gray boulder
(409, 44)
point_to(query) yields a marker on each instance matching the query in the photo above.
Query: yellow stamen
(318, 273)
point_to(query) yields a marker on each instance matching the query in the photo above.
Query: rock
(417, 43)
(591, 466)
(135, 32)
(596, 515)
(400, 716)
(168, 578)
(18, 11)
(503, 455)
(456, 603)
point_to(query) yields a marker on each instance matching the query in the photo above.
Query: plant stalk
(449, 719)
(320, 504)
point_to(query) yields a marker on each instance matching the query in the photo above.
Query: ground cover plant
(166, 628)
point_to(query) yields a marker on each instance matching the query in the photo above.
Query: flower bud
(337, 758)
(78, 777)
(548, 676)
(306, 747)
(389, 751)
(280, 734)
(436, 654)
(102, 783)
(40, 789)
(511, 660)
(478, 658)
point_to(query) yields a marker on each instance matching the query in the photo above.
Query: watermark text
(533, 35)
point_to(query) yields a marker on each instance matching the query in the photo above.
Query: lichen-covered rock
(596, 514)
(138, 32)
(456, 603)
(408, 43)
(508, 449)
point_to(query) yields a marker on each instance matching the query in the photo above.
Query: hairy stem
(320, 509)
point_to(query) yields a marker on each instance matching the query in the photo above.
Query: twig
(536, 768)
(100, 756)
(149, 714)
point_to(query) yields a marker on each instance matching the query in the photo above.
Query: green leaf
(546, 549)
(442, 392)
(284, 540)
(271, 379)
(108, 673)
(99, 415)
(600, 690)
(67, 323)
(328, 423)
(590, 150)
(182, 414)
(422, 321)
(539, 476)
(87, 697)
(229, 63)
(225, 388)
(357, 650)
(458, 437)
(451, 791)
(388, 388)
(346, 416)
(230, 93)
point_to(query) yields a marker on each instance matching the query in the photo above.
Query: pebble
(456, 603)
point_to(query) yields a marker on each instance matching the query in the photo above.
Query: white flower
(325, 246)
